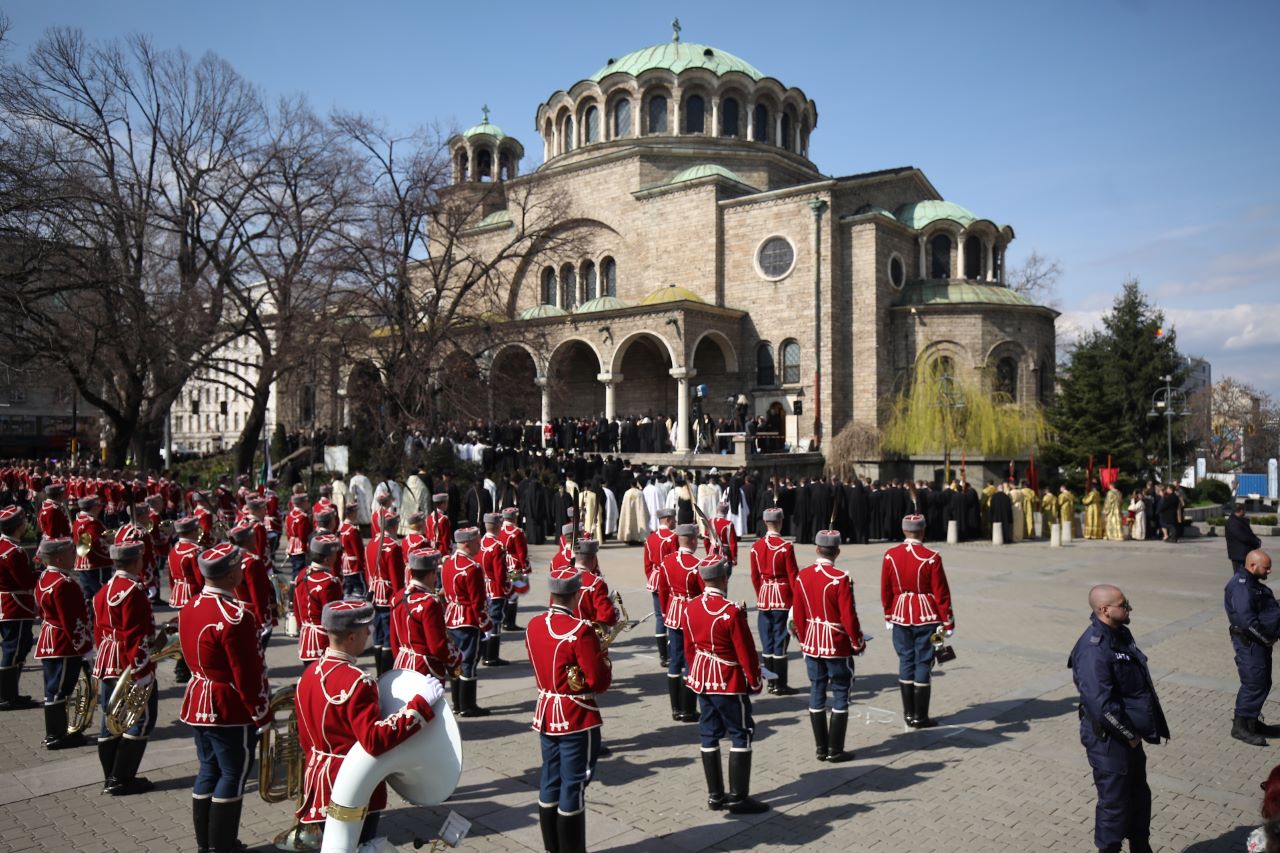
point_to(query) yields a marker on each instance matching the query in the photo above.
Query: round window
(897, 272)
(776, 257)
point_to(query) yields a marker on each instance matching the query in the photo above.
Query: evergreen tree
(1105, 392)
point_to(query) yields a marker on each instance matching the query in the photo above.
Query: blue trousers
(567, 764)
(468, 642)
(725, 715)
(837, 673)
(16, 640)
(92, 580)
(1253, 664)
(773, 632)
(675, 652)
(1124, 798)
(353, 586)
(915, 651)
(142, 728)
(382, 627)
(497, 608)
(659, 627)
(273, 542)
(60, 675)
(297, 562)
(225, 754)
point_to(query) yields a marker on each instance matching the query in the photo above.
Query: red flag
(1031, 474)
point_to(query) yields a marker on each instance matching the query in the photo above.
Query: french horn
(127, 704)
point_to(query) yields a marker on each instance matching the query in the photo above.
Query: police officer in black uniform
(1254, 617)
(1119, 710)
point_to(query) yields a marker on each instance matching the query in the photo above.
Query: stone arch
(645, 359)
(513, 387)
(957, 352)
(715, 364)
(1022, 385)
(573, 369)
(619, 351)
(726, 348)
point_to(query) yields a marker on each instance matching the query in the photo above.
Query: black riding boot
(200, 820)
(715, 778)
(55, 723)
(782, 688)
(908, 702)
(128, 758)
(379, 662)
(572, 830)
(9, 698)
(689, 705)
(469, 706)
(455, 694)
(547, 823)
(675, 692)
(491, 651)
(224, 827)
(509, 611)
(818, 720)
(1242, 730)
(740, 801)
(107, 750)
(661, 640)
(922, 708)
(835, 737)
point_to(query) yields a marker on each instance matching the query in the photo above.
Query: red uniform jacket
(773, 571)
(205, 517)
(337, 707)
(272, 519)
(596, 603)
(913, 586)
(824, 612)
(133, 533)
(412, 542)
(52, 521)
(17, 582)
(259, 535)
(228, 686)
(255, 590)
(718, 646)
(728, 539)
(678, 582)
(123, 628)
(315, 588)
(185, 580)
(375, 522)
(439, 532)
(98, 557)
(418, 635)
(660, 543)
(158, 540)
(462, 580)
(493, 559)
(352, 549)
(297, 530)
(64, 628)
(561, 559)
(514, 543)
(555, 640)
(384, 570)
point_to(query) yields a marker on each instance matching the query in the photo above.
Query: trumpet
(127, 704)
(82, 703)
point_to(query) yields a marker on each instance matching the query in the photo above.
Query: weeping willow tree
(939, 411)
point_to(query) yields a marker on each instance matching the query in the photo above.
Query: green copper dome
(704, 170)
(676, 56)
(966, 293)
(537, 312)
(671, 293)
(919, 214)
(485, 128)
(600, 303)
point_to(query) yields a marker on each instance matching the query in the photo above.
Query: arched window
(1006, 384)
(997, 262)
(591, 125)
(464, 166)
(622, 119)
(785, 141)
(549, 286)
(695, 114)
(567, 135)
(765, 375)
(940, 256)
(588, 281)
(657, 114)
(484, 164)
(609, 276)
(568, 287)
(973, 258)
(729, 117)
(790, 363)
(760, 124)
(504, 166)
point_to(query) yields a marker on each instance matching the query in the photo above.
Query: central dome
(676, 56)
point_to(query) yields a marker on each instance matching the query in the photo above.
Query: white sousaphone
(424, 770)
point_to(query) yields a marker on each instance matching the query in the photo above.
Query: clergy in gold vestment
(1067, 510)
(1092, 513)
(1027, 497)
(1048, 512)
(1111, 515)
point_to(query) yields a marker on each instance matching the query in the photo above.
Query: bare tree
(1037, 278)
(1234, 424)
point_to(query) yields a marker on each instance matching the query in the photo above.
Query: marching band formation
(433, 602)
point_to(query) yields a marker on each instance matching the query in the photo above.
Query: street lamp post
(1169, 403)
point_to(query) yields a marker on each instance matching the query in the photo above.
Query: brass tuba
(82, 703)
(128, 702)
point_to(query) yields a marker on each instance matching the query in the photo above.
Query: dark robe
(530, 492)
(477, 502)
(874, 498)
(1002, 514)
(800, 518)
(971, 524)
(819, 507)
(860, 512)
(936, 517)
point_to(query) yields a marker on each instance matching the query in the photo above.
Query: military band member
(133, 531)
(17, 607)
(1253, 618)
(255, 516)
(497, 586)
(204, 516)
(316, 586)
(226, 701)
(66, 637)
(255, 588)
(678, 583)
(563, 557)
(337, 707)
(94, 568)
(659, 544)
(595, 604)
(418, 635)
(722, 526)
(297, 533)
(567, 716)
(723, 671)
(439, 529)
(414, 539)
(773, 574)
(917, 602)
(323, 503)
(353, 570)
(271, 518)
(185, 580)
(52, 518)
(384, 562)
(462, 580)
(378, 522)
(124, 631)
(826, 622)
(516, 545)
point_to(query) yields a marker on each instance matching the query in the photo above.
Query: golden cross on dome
(675, 30)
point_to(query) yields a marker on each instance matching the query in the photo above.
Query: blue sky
(1123, 138)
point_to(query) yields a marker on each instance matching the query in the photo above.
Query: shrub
(1216, 520)
(1214, 490)
(1263, 520)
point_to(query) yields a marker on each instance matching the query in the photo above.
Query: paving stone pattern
(1004, 771)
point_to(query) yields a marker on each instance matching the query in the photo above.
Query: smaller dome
(676, 56)
(537, 312)
(671, 293)
(496, 218)
(484, 128)
(600, 303)
(921, 213)
(871, 208)
(706, 170)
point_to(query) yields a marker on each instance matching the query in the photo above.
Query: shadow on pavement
(1228, 841)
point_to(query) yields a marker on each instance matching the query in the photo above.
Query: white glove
(433, 691)
(888, 626)
(950, 631)
(145, 680)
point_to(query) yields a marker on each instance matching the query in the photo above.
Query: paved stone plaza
(1005, 771)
